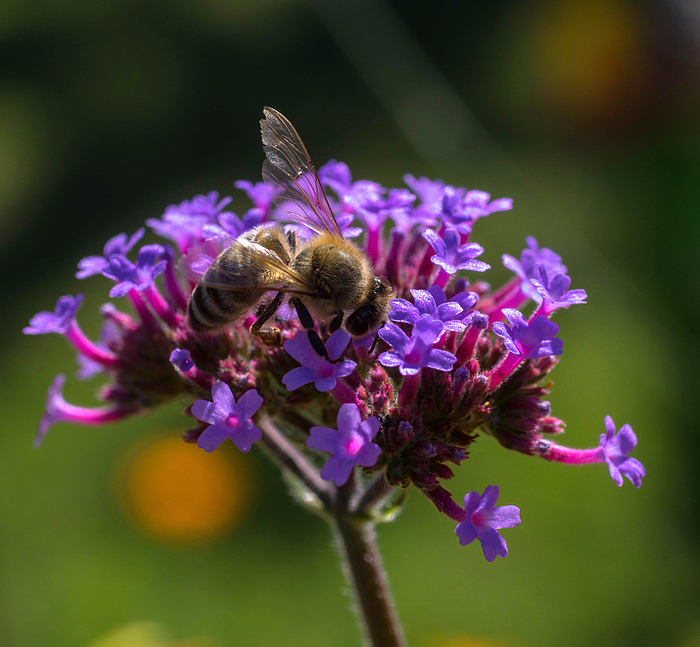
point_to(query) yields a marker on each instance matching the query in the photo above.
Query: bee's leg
(376, 339)
(271, 336)
(337, 321)
(308, 323)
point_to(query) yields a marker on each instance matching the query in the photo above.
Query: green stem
(357, 539)
(363, 568)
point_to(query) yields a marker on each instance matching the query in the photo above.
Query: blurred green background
(585, 112)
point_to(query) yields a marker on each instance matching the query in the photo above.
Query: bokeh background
(585, 112)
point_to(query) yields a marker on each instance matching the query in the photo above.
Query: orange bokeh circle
(178, 493)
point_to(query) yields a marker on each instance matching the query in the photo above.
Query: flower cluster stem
(357, 541)
(363, 567)
(291, 460)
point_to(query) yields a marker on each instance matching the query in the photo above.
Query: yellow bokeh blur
(468, 642)
(144, 634)
(178, 493)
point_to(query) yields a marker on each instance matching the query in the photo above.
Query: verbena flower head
(452, 362)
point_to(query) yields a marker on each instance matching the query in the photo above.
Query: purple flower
(475, 205)
(527, 267)
(453, 314)
(58, 410)
(529, 340)
(182, 223)
(137, 276)
(454, 206)
(120, 244)
(228, 418)
(258, 193)
(315, 368)
(553, 290)
(452, 256)
(231, 226)
(336, 175)
(368, 200)
(483, 522)
(615, 448)
(181, 358)
(345, 221)
(431, 194)
(410, 355)
(350, 445)
(465, 299)
(55, 404)
(60, 320)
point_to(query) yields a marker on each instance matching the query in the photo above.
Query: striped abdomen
(212, 308)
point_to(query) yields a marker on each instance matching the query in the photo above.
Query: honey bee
(326, 277)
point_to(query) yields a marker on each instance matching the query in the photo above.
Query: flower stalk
(357, 541)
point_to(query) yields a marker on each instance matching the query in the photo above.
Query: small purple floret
(228, 418)
(529, 339)
(57, 321)
(181, 358)
(451, 256)
(315, 368)
(531, 259)
(120, 244)
(412, 354)
(350, 445)
(553, 290)
(138, 276)
(54, 407)
(615, 448)
(368, 200)
(182, 223)
(258, 193)
(452, 314)
(483, 522)
(231, 226)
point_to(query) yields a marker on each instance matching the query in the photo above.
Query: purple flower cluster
(451, 360)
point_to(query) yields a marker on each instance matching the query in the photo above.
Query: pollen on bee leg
(269, 336)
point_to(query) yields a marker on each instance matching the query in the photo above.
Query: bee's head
(373, 312)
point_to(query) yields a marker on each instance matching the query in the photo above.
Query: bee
(326, 277)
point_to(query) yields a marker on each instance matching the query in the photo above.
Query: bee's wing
(253, 267)
(290, 175)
